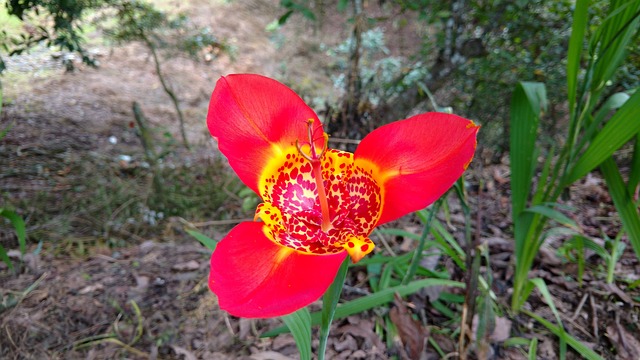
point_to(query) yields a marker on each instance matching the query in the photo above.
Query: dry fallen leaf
(91, 288)
(269, 355)
(188, 355)
(627, 346)
(412, 334)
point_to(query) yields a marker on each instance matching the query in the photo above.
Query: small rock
(186, 266)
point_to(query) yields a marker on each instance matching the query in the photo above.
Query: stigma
(314, 157)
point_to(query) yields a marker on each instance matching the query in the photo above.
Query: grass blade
(609, 44)
(576, 344)
(329, 303)
(208, 242)
(623, 202)
(299, 323)
(542, 287)
(614, 102)
(576, 42)
(370, 301)
(4, 257)
(634, 175)
(528, 101)
(553, 214)
(18, 226)
(622, 126)
(533, 348)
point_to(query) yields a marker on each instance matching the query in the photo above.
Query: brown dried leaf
(502, 331)
(412, 334)
(91, 288)
(188, 355)
(269, 355)
(627, 346)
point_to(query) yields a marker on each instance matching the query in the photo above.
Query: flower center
(317, 201)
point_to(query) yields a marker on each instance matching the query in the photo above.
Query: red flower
(319, 204)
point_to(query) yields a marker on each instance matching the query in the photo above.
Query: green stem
(417, 254)
(329, 303)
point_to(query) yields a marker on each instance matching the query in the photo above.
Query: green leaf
(528, 101)
(374, 300)
(342, 5)
(208, 242)
(533, 348)
(623, 201)
(614, 102)
(542, 287)
(609, 44)
(576, 42)
(4, 131)
(18, 226)
(299, 323)
(580, 241)
(4, 257)
(634, 175)
(551, 213)
(622, 126)
(418, 253)
(576, 344)
(329, 303)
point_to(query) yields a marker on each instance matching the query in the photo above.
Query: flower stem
(329, 303)
(417, 254)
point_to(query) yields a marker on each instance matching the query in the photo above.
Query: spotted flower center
(318, 201)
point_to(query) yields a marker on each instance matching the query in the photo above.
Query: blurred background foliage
(466, 55)
(488, 60)
(470, 53)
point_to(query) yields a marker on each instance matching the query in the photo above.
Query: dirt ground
(147, 297)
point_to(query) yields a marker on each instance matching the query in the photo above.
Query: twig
(621, 338)
(26, 292)
(594, 315)
(386, 244)
(120, 208)
(228, 323)
(580, 305)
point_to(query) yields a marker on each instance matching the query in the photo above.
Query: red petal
(254, 277)
(253, 117)
(418, 159)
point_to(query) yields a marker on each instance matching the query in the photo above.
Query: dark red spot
(351, 244)
(364, 248)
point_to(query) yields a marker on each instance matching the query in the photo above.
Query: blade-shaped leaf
(576, 42)
(299, 323)
(622, 126)
(18, 226)
(623, 202)
(528, 101)
(581, 348)
(609, 43)
(553, 214)
(329, 303)
(634, 175)
(4, 257)
(374, 300)
(208, 242)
